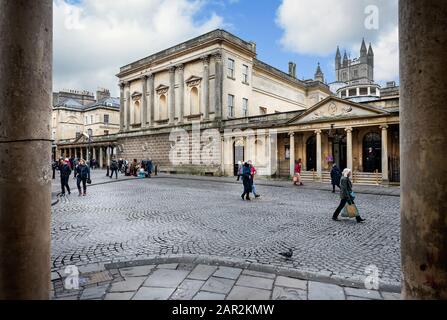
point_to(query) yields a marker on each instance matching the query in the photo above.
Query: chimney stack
(102, 93)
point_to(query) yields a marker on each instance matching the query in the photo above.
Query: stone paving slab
(136, 271)
(166, 278)
(255, 282)
(228, 272)
(187, 290)
(130, 284)
(246, 293)
(218, 285)
(291, 283)
(119, 295)
(202, 272)
(153, 293)
(324, 291)
(281, 293)
(259, 274)
(96, 292)
(203, 295)
(363, 293)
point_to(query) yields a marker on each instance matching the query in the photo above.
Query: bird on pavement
(287, 254)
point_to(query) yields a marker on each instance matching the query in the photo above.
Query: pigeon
(287, 254)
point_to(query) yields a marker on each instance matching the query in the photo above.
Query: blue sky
(93, 38)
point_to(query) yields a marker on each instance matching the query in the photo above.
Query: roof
(106, 102)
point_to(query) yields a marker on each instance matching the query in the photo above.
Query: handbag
(350, 211)
(295, 179)
(89, 181)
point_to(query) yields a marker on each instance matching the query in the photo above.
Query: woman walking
(346, 195)
(335, 177)
(297, 173)
(82, 173)
(246, 179)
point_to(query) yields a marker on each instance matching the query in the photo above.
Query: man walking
(82, 173)
(65, 171)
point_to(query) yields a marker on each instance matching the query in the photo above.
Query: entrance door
(311, 154)
(339, 150)
(238, 152)
(372, 152)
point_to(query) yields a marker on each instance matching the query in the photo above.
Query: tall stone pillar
(423, 118)
(144, 102)
(171, 95)
(122, 108)
(128, 106)
(206, 87)
(349, 161)
(319, 172)
(94, 154)
(101, 157)
(292, 153)
(25, 75)
(218, 85)
(151, 99)
(384, 153)
(82, 153)
(181, 86)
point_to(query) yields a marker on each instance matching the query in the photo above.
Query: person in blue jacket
(82, 173)
(246, 180)
(335, 177)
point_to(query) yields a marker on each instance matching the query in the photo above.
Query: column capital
(121, 84)
(318, 131)
(291, 134)
(384, 127)
(143, 77)
(205, 59)
(217, 56)
(348, 129)
(180, 67)
(127, 83)
(150, 75)
(171, 69)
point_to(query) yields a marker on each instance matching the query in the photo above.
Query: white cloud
(317, 27)
(94, 38)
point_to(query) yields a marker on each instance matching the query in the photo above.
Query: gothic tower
(319, 76)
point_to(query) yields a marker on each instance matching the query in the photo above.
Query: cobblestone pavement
(137, 218)
(192, 281)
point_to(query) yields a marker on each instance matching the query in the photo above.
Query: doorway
(339, 151)
(311, 154)
(372, 152)
(238, 155)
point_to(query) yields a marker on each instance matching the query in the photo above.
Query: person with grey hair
(346, 195)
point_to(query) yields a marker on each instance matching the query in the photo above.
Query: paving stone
(153, 293)
(119, 296)
(246, 293)
(54, 276)
(202, 295)
(255, 282)
(166, 278)
(137, 271)
(363, 293)
(66, 298)
(291, 283)
(94, 292)
(325, 291)
(259, 274)
(227, 272)
(218, 285)
(172, 266)
(187, 290)
(202, 272)
(356, 298)
(282, 293)
(129, 284)
(391, 296)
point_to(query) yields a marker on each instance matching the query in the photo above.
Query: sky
(94, 38)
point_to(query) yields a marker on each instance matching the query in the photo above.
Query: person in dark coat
(82, 173)
(246, 180)
(65, 171)
(345, 195)
(335, 177)
(149, 167)
(114, 168)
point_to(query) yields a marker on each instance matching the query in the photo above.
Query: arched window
(163, 108)
(137, 113)
(194, 101)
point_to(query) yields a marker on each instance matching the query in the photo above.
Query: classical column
(101, 157)
(349, 148)
(128, 106)
(423, 140)
(206, 87)
(218, 84)
(82, 153)
(122, 108)
(94, 154)
(150, 77)
(181, 86)
(384, 153)
(171, 95)
(25, 75)
(292, 153)
(144, 102)
(318, 133)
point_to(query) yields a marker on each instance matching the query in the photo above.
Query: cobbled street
(131, 219)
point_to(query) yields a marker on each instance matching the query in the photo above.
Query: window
(343, 94)
(345, 76)
(90, 132)
(91, 119)
(244, 73)
(230, 106)
(373, 90)
(263, 110)
(245, 107)
(231, 68)
(356, 73)
(352, 92)
(363, 91)
(86, 120)
(106, 119)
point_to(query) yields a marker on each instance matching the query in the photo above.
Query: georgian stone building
(203, 105)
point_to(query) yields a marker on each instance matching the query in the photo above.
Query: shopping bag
(295, 179)
(350, 211)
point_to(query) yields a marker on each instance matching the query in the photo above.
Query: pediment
(333, 108)
(162, 89)
(193, 81)
(136, 95)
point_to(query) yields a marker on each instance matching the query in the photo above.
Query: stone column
(181, 86)
(144, 101)
(206, 87)
(349, 148)
(423, 118)
(384, 153)
(101, 157)
(128, 106)
(171, 95)
(218, 86)
(151, 99)
(94, 154)
(82, 153)
(25, 75)
(122, 108)
(319, 172)
(292, 153)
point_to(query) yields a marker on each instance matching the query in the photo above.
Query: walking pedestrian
(246, 180)
(346, 195)
(335, 177)
(252, 176)
(65, 171)
(114, 168)
(239, 170)
(149, 166)
(297, 172)
(82, 173)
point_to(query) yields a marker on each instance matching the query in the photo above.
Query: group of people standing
(247, 172)
(81, 174)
